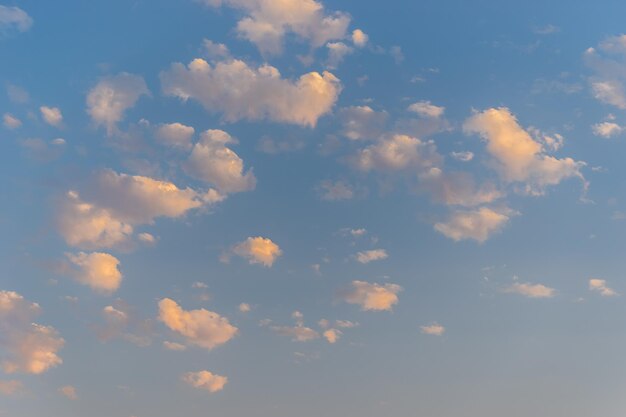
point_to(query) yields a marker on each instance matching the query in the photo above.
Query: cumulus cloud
(109, 99)
(51, 115)
(258, 250)
(11, 122)
(362, 122)
(244, 308)
(531, 290)
(600, 286)
(337, 51)
(267, 23)
(215, 50)
(97, 270)
(202, 328)
(332, 335)
(463, 156)
(14, 19)
(478, 224)
(372, 296)
(297, 333)
(174, 346)
(368, 256)
(213, 162)
(433, 329)
(397, 153)
(359, 38)
(25, 346)
(607, 129)
(205, 380)
(69, 392)
(335, 190)
(239, 91)
(457, 188)
(516, 156)
(608, 61)
(426, 109)
(176, 135)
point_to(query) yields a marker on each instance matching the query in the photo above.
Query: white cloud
(51, 115)
(176, 135)
(599, 285)
(205, 380)
(243, 92)
(201, 327)
(25, 346)
(174, 346)
(359, 38)
(608, 61)
(258, 250)
(517, 157)
(268, 22)
(368, 256)
(109, 99)
(426, 109)
(479, 224)
(14, 18)
(69, 392)
(397, 153)
(531, 290)
(244, 308)
(362, 122)
(433, 329)
(97, 270)
(213, 162)
(607, 129)
(215, 50)
(372, 296)
(337, 51)
(463, 156)
(11, 122)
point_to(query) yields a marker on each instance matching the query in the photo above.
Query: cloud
(297, 333)
(607, 129)
(97, 270)
(599, 285)
(213, 162)
(359, 38)
(426, 109)
(215, 50)
(368, 256)
(244, 308)
(464, 156)
(517, 157)
(122, 321)
(267, 23)
(109, 99)
(372, 296)
(69, 392)
(335, 190)
(51, 115)
(397, 153)
(337, 51)
(273, 146)
(205, 380)
(608, 61)
(332, 335)
(458, 188)
(433, 329)
(14, 19)
(242, 92)
(25, 346)
(175, 135)
(201, 327)
(531, 290)
(174, 346)
(362, 122)
(11, 387)
(478, 224)
(11, 122)
(258, 250)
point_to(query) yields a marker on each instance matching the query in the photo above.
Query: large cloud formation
(25, 346)
(267, 22)
(239, 91)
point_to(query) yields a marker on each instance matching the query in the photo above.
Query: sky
(279, 208)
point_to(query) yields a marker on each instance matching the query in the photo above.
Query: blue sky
(278, 208)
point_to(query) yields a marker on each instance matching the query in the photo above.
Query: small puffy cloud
(608, 61)
(51, 115)
(215, 50)
(205, 380)
(14, 19)
(109, 99)
(10, 387)
(607, 129)
(267, 23)
(426, 109)
(372, 296)
(122, 321)
(531, 290)
(458, 188)
(346, 324)
(337, 51)
(174, 346)
(11, 122)
(25, 346)
(97, 270)
(201, 327)
(239, 91)
(600, 286)
(463, 156)
(397, 153)
(244, 308)
(147, 238)
(213, 162)
(69, 392)
(298, 333)
(335, 190)
(433, 329)
(359, 38)
(258, 250)
(176, 135)
(517, 157)
(479, 224)
(362, 122)
(368, 256)
(332, 335)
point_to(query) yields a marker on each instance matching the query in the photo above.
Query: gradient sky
(281, 208)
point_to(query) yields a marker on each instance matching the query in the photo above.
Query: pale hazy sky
(297, 208)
